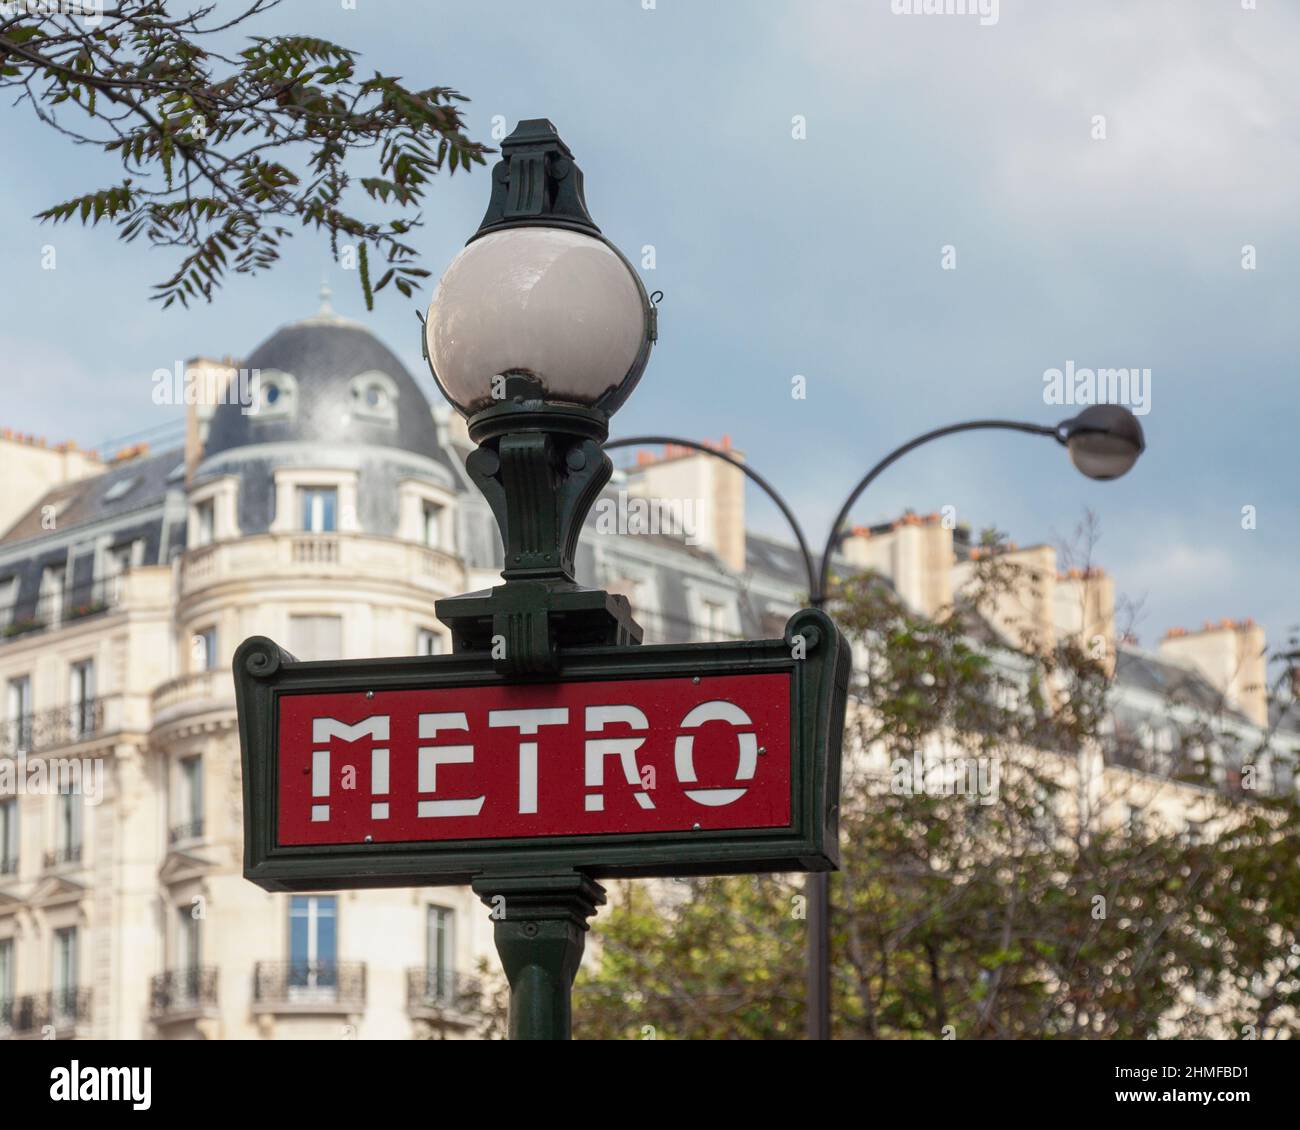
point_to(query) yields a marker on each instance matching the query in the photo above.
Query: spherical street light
(539, 306)
(1104, 441)
(555, 305)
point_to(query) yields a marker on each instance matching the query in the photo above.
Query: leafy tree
(226, 153)
(1068, 907)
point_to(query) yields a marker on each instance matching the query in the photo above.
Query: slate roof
(323, 354)
(1148, 672)
(139, 484)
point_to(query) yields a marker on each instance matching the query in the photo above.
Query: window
(121, 558)
(8, 836)
(203, 650)
(65, 972)
(188, 950)
(189, 800)
(51, 595)
(275, 396)
(67, 827)
(313, 945)
(431, 525)
(428, 642)
(117, 564)
(713, 620)
(318, 507)
(316, 637)
(205, 522)
(81, 698)
(19, 714)
(8, 600)
(374, 397)
(121, 488)
(6, 981)
(439, 978)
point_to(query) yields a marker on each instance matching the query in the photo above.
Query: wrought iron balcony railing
(55, 609)
(439, 991)
(49, 729)
(193, 989)
(179, 833)
(309, 985)
(58, 1010)
(69, 853)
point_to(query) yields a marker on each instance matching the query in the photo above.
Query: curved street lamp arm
(771, 492)
(836, 534)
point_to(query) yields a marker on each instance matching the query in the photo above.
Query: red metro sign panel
(618, 756)
(671, 760)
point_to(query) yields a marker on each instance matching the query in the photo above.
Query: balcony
(309, 987)
(183, 994)
(8, 866)
(213, 689)
(185, 833)
(50, 729)
(63, 856)
(443, 997)
(58, 609)
(34, 1017)
(331, 556)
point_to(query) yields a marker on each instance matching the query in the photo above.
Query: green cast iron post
(540, 926)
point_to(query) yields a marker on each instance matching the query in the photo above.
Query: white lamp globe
(554, 304)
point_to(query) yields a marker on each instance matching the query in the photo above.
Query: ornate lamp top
(536, 184)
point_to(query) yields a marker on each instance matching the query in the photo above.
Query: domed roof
(326, 380)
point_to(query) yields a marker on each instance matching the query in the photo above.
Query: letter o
(684, 751)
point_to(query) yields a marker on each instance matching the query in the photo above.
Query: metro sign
(673, 760)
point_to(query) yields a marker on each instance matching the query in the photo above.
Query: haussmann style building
(329, 514)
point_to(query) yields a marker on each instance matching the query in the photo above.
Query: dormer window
(319, 507)
(205, 522)
(374, 397)
(275, 396)
(431, 524)
(213, 513)
(121, 488)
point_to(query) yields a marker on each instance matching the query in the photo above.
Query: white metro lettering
(598, 717)
(684, 751)
(430, 757)
(445, 757)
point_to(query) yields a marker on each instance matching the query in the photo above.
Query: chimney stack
(211, 380)
(1230, 654)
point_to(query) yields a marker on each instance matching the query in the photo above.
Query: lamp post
(537, 332)
(1103, 441)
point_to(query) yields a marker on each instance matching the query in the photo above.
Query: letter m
(322, 729)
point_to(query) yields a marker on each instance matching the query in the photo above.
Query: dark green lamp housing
(1104, 440)
(537, 332)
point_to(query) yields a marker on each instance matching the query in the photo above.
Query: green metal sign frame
(813, 652)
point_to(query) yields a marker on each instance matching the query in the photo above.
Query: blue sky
(822, 257)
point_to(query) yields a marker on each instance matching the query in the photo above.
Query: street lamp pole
(537, 332)
(1104, 442)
